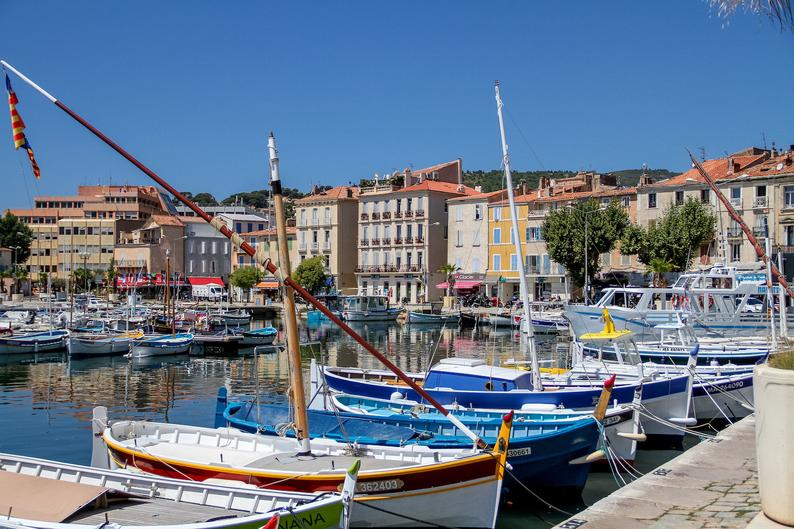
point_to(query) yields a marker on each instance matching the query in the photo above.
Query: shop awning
(196, 281)
(460, 285)
(268, 285)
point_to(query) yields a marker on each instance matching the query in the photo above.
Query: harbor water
(46, 400)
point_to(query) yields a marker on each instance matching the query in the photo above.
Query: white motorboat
(368, 308)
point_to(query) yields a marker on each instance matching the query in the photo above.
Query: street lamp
(84, 255)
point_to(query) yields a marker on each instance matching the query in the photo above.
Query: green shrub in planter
(782, 360)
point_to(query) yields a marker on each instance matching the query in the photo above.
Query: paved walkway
(713, 484)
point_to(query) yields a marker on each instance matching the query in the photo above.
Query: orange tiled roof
(166, 220)
(484, 196)
(717, 169)
(336, 193)
(440, 187)
(779, 165)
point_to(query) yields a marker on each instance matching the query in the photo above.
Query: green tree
(82, 278)
(245, 277)
(564, 233)
(449, 270)
(310, 274)
(205, 199)
(675, 238)
(16, 235)
(58, 284)
(657, 268)
(4, 274)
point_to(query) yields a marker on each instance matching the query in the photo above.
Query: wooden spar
(260, 258)
(746, 229)
(290, 317)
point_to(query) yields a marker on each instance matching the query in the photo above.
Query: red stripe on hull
(481, 468)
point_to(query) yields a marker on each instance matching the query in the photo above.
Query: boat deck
(153, 512)
(277, 462)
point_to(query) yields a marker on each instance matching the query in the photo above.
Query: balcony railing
(419, 213)
(398, 241)
(760, 202)
(375, 242)
(302, 247)
(327, 246)
(409, 213)
(734, 232)
(387, 214)
(365, 216)
(386, 240)
(315, 246)
(363, 242)
(389, 269)
(408, 240)
(419, 240)
(736, 202)
(759, 231)
(375, 215)
(398, 214)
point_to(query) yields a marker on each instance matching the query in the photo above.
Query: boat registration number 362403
(383, 485)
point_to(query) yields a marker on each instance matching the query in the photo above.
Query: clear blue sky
(355, 88)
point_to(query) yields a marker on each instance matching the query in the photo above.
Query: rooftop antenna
(763, 139)
(702, 153)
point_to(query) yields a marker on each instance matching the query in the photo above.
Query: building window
(203, 247)
(497, 262)
(327, 215)
(651, 200)
(760, 191)
(458, 238)
(625, 201)
(302, 218)
(459, 213)
(239, 227)
(736, 252)
(789, 235)
(497, 213)
(606, 259)
(625, 260)
(476, 241)
(705, 196)
(679, 197)
(226, 248)
(497, 235)
(475, 265)
(788, 193)
(477, 212)
(214, 247)
(399, 205)
(513, 262)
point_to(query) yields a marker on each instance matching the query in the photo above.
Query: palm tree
(781, 11)
(3, 275)
(449, 270)
(658, 267)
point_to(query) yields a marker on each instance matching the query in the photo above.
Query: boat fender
(640, 437)
(396, 396)
(683, 421)
(589, 458)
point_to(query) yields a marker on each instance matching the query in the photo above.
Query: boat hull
(437, 319)
(161, 346)
(85, 347)
(34, 343)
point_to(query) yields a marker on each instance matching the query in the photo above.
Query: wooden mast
(290, 316)
(259, 257)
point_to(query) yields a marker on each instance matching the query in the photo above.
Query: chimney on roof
(478, 189)
(774, 149)
(314, 189)
(523, 188)
(731, 168)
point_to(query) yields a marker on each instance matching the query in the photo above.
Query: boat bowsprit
(160, 345)
(33, 342)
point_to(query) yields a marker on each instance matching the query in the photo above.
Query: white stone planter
(773, 393)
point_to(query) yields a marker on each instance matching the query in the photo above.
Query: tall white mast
(526, 325)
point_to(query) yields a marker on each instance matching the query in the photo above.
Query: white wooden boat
(42, 494)
(368, 308)
(90, 344)
(162, 344)
(398, 486)
(33, 342)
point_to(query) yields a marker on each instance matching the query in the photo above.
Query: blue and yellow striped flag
(18, 128)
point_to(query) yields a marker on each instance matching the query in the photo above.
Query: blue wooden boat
(429, 318)
(34, 342)
(472, 383)
(263, 336)
(162, 344)
(545, 455)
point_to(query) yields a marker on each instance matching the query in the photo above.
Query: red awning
(195, 281)
(460, 285)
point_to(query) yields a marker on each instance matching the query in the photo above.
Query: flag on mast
(18, 128)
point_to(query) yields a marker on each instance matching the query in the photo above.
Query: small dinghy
(88, 345)
(162, 344)
(428, 318)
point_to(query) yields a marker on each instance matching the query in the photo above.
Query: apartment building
(266, 241)
(546, 278)
(107, 203)
(324, 221)
(403, 233)
(83, 243)
(207, 251)
(467, 245)
(247, 222)
(144, 249)
(758, 199)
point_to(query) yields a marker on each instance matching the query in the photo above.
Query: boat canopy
(475, 374)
